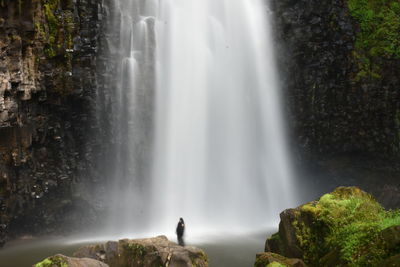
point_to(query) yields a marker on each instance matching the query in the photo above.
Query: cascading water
(131, 42)
(219, 157)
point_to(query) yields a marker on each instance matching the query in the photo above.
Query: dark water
(229, 251)
(21, 253)
(234, 251)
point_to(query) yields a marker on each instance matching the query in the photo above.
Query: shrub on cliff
(344, 228)
(378, 37)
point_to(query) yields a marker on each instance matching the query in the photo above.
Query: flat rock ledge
(64, 261)
(157, 251)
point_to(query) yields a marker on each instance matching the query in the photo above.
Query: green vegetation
(135, 250)
(392, 218)
(276, 264)
(55, 28)
(44, 263)
(275, 260)
(60, 29)
(197, 261)
(379, 35)
(346, 228)
(55, 261)
(53, 24)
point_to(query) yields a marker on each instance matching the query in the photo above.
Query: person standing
(180, 230)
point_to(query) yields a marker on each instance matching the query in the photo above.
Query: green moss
(276, 264)
(391, 218)
(349, 221)
(39, 30)
(53, 26)
(60, 29)
(44, 263)
(198, 260)
(133, 254)
(136, 250)
(378, 37)
(276, 237)
(49, 51)
(272, 259)
(55, 261)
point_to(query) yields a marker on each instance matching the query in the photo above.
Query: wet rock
(268, 259)
(393, 261)
(331, 112)
(64, 261)
(344, 227)
(42, 133)
(391, 237)
(156, 251)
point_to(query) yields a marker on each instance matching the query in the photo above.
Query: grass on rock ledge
(351, 223)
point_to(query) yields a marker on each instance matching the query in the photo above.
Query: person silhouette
(180, 230)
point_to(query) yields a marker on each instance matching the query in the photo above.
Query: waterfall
(198, 125)
(131, 40)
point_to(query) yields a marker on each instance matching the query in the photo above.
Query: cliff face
(343, 102)
(342, 88)
(47, 91)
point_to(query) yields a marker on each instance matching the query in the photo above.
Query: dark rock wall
(52, 60)
(344, 128)
(47, 113)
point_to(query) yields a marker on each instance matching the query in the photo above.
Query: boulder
(158, 251)
(64, 261)
(393, 261)
(275, 264)
(391, 237)
(275, 260)
(344, 227)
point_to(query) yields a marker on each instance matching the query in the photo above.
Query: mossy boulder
(64, 261)
(275, 260)
(157, 252)
(275, 264)
(393, 261)
(391, 235)
(344, 228)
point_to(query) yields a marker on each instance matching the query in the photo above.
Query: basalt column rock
(335, 107)
(47, 90)
(342, 98)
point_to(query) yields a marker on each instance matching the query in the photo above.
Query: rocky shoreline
(346, 227)
(157, 251)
